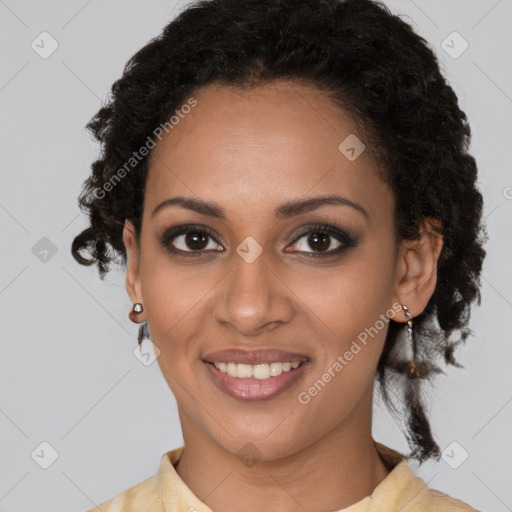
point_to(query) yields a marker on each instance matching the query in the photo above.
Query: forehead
(260, 146)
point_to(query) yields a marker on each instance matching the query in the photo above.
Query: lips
(255, 389)
(258, 356)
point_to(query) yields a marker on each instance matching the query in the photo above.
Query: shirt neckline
(171, 488)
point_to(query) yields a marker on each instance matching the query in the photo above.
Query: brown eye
(318, 241)
(189, 239)
(195, 240)
(323, 240)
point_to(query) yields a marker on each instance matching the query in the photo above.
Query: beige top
(400, 491)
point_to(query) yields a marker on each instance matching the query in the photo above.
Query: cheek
(349, 317)
(175, 312)
(169, 290)
(346, 300)
(346, 367)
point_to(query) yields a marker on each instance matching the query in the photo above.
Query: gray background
(68, 373)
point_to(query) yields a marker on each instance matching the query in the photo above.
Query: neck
(336, 471)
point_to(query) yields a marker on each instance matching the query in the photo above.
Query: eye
(190, 239)
(325, 241)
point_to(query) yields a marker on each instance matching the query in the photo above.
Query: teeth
(257, 371)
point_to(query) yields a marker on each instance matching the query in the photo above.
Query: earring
(136, 310)
(134, 314)
(143, 333)
(412, 366)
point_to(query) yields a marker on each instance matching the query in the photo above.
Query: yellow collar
(400, 490)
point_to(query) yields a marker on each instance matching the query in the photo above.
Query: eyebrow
(285, 211)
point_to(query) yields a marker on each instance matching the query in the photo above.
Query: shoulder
(441, 502)
(141, 497)
(403, 490)
(146, 496)
(416, 496)
(411, 494)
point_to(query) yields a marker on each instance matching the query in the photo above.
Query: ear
(133, 282)
(416, 270)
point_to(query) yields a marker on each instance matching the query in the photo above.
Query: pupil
(318, 241)
(194, 239)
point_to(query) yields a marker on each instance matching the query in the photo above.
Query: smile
(256, 382)
(258, 371)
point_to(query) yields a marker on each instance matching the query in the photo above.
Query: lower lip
(255, 389)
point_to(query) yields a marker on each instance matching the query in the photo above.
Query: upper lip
(258, 356)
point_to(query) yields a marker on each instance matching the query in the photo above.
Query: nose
(253, 298)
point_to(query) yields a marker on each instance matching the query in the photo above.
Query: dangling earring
(412, 366)
(143, 333)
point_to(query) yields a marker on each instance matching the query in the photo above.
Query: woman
(289, 187)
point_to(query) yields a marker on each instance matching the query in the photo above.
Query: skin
(249, 151)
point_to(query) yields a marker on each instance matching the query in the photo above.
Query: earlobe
(417, 267)
(132, 281)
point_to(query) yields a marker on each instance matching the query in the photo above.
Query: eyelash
(345, 238)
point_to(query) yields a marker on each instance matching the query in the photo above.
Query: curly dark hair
(384, 75)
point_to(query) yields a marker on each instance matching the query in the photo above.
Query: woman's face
(314, 281)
